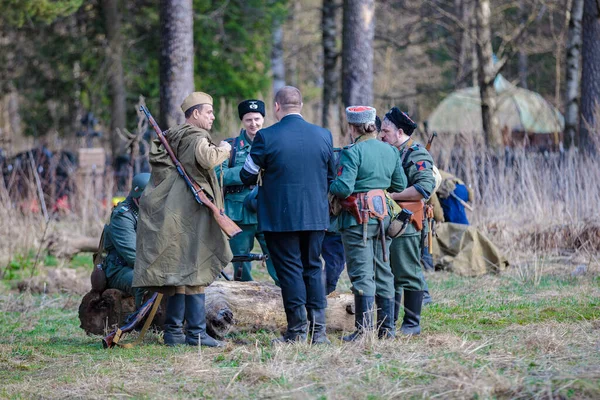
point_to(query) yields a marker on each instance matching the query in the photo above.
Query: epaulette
(230, 140)
(415, 146)
(347, 147)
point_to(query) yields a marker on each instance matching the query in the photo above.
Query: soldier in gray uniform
(119, 241)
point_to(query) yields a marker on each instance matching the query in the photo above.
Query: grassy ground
(533, 332)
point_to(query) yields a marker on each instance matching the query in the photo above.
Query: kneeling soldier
(119, 241)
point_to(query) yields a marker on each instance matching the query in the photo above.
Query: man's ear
(277, 106)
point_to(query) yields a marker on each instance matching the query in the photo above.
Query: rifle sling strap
(144, 328)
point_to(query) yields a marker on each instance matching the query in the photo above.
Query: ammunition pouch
(362, 206)
(418, 214)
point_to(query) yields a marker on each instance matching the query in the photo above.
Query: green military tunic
(405, 250)
(179, 243)
(367, 165)
(247, 220)
(119, 244)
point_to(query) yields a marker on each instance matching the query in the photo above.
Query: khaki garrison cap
(194, 99)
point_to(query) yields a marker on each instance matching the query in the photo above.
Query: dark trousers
(296, 259)
(335, 260)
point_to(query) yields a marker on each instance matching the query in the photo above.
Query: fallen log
(230, 307)
(66, 247)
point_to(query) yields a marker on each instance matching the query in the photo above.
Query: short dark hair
(288, 97)
(189, 111)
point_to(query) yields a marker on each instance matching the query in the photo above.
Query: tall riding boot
(385, 316)
(297, 326)
(413, 301)
(363, 317)
(174, 320)
(316, 326)
(195, 315)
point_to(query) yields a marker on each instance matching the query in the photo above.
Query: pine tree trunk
(463, 67)
(487, 74)
(176, 59)
(573, 75)
(357, 52)
(277, 61)
(590, 74)
(331, 79)
(116, 79)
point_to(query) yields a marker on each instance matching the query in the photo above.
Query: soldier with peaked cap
(180, 247)
(366, 170)
(405, 251)
(119, 241)
(239, 197)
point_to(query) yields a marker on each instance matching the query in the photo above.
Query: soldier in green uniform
(238, 197)
(366, 166)
(181, 248)
(405, 251)
(119, 241)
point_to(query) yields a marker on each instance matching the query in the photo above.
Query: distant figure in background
(451, 192)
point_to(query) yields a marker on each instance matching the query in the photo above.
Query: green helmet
(139, 184)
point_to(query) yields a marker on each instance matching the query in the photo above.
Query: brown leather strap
(144, 328)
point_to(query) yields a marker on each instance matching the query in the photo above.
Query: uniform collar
(244, 136)
(407, 143)
(363, 138)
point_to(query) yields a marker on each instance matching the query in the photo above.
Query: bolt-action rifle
(150, 307)
(202, 197)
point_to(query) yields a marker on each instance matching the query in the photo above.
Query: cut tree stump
(230, 307)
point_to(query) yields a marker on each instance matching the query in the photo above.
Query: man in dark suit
(296, 161)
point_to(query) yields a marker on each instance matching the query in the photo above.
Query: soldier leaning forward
(180, 247)
(366, 169)
(405, 251)
(119, 241)
(239, 204)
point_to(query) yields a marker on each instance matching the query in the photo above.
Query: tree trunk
(463, 67)
(590, 74)
(357, 52)
(176, 59)
(523, 62)
(116, 80)
(230, 307)
(277, 61)
(330, 55)
(487, 74)
(573, 75)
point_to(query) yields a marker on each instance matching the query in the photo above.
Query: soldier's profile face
(205, 117)
(252, 122)
(389, 133)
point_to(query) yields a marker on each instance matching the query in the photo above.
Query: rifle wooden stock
(227, 225)
(113, 338)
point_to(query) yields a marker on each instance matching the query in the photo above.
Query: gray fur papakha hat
(357, 115)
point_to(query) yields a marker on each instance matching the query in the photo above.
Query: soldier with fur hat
(405, 250)
(366, 169)
(239, 197)
(180, 247)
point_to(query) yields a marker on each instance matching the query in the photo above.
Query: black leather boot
(385, 316)
(413, 301)
(297, 326)
(316, 326)
(174, 320)
(363, 317)
(195, 316)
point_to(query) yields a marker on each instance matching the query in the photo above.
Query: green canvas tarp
(465, 251)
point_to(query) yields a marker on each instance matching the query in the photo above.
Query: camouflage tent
(519, 110)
